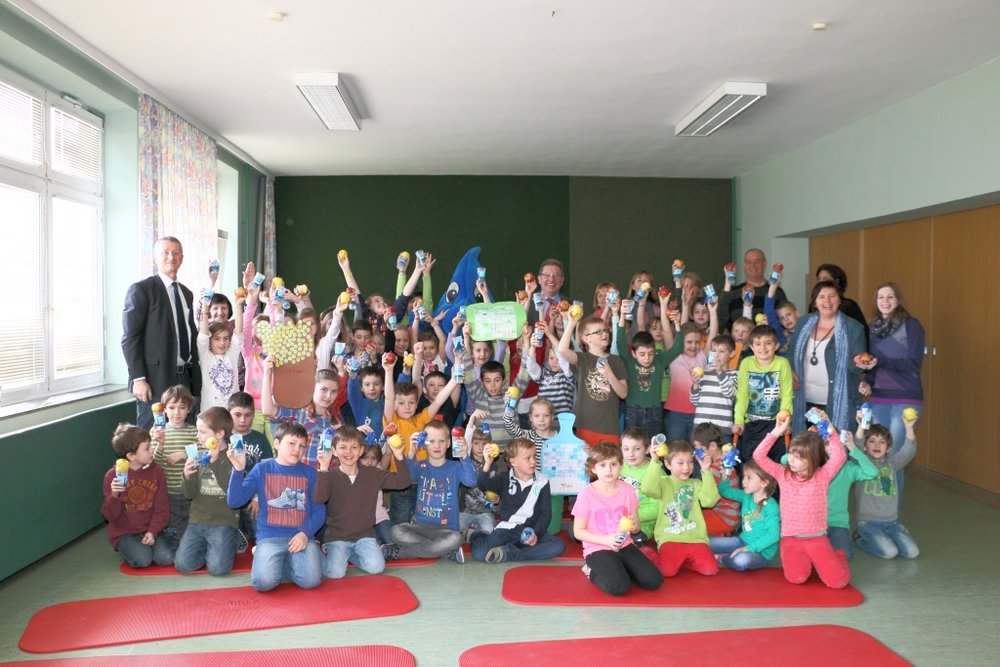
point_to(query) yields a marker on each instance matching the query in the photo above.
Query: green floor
(942, 609)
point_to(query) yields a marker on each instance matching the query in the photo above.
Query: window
(51, 216)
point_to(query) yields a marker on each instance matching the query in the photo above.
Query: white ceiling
(585, 87)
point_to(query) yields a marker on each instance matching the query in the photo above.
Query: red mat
(343, 656)
(814, 645)
(243, 563)
(562, 586)
(71, 626)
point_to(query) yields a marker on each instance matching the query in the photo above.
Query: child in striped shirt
(713, 391)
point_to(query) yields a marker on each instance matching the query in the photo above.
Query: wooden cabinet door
(901, 253)
(965, 358)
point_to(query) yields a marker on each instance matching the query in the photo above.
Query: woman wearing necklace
(822, 356)
(893, 377)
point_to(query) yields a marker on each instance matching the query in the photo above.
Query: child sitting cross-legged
(478, 510)
(350, 491)
(757, 544)
(434, 531)
(525, 504)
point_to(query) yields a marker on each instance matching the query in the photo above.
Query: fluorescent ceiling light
(328, 97)
(731, 99)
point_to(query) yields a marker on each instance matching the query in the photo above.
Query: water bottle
(457, 441)
(512, 395)
(402, 261)
(421, 257)
(481, 272)
(326, 440)
(611, 297)
(258, 280)
(776, 271)
(710, 295)
(677, 270)
(485, 428)
(866, 416)
(213, 269)
(539, 336)
(642, 291)
(390, 318)
(628, 309)
(536, 298)
(236, 442)
(459, 344)
(730, 270)
(458, 371)
(207, 296)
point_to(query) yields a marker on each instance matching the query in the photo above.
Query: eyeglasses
(599, 332)
(549, 274)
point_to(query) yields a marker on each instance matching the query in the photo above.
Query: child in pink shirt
(803, 482)
(613, 561)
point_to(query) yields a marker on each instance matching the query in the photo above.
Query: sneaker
(241, 542)
(586, 570)
(390, 552)
(495, 555)
(286, 501)
(457, 556)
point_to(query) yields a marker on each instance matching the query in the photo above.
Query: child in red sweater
(135, 501)
(803, 481)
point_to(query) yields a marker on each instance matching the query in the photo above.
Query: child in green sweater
(680, 527)
(634, 442)
(757, 545)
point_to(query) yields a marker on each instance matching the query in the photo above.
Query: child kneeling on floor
(211, 537)
(525, 506)
(288, 516)
(602, 512)
(350, 491)
(135, 501)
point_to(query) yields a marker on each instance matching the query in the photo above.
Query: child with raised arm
(401, 411)
(169, 444)
(434, 531)
(782, 316)
(713, 391)
(135, 501)
(857, 467)
(763, 389)
(646, 367)
(218, 356)
(724, 517)
(604, 518)
(555, 377)
(680, 530)
(211, 536)
(365, 396)
(601, 379)
(757, 544)
(288, 516)
(488, 392)
(879, 531)
(350, 491)
(634, 443)
(525, 503)
(256, 447)
(803, 483)
(316, 417)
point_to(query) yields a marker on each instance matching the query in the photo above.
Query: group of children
(194, 494)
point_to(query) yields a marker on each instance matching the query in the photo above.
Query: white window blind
(20, 126)
(51, 226)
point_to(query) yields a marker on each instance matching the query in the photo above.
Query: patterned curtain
(177, 182)
(270, 247)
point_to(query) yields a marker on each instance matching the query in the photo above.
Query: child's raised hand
(344, 260)
(467, 330)
(116, 487)
(268, 364)
(848, 439)
(248, 274)
(780, 427)
(323, 458)
(239, 461)
(190, 467)
(864, 388)
(338, 362)
(418, 348)
(388, 364)
(705, 461)
(477, 415)
(429, 264)
(530, 285)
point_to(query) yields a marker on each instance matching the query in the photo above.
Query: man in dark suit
(159, 332)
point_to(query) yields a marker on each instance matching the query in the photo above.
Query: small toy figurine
(527, 534)
(730, 456)
(422, 440)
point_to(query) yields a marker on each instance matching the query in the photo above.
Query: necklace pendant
(813, 360)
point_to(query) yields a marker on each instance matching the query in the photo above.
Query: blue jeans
(743, 561)
(364, 553)
(382, 532)
(840, 538)
(890, 415)
(137, 554)
(886, 539)
(272, 562)
(679, 425)
(648, 419)
(546, 548)
(211, 546)
(483, 522)
(402, 504)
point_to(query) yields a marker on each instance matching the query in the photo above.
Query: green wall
(936, 152)
(50, 483)
(602, 228)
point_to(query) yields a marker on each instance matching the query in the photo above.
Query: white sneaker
(586, 570)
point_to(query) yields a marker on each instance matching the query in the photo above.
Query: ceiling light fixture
(731, 99)
(329, 98)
